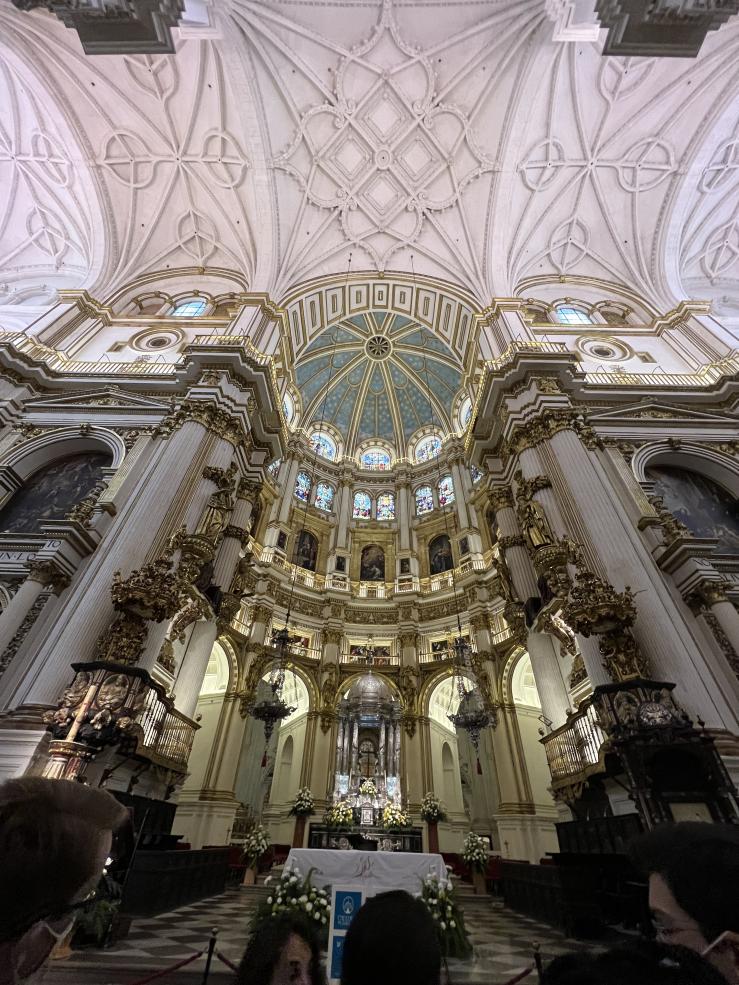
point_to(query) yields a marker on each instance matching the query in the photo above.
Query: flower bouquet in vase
(291, 893)
(303, 807)
(432, 814)
(255, 845)
(394, 818)
(368, 790)
(438, 895)
(475, 855)
(340, 815)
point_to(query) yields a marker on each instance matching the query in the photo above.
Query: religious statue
(215, 518)
(534, 524)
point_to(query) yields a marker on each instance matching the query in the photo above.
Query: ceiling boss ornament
(384, 154)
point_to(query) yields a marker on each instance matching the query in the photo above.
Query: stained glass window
(302, 486)
(323, 445)
(572, 316)
(424, 500)
(362, 506)
(446, 491)
(475, 473)
(466, 413)
(274, 467)
(386, 507)
(190, 309)
(375, 458)
(287, 408)
(428, 448)
(324, 496)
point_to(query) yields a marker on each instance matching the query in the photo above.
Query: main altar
(375, 871)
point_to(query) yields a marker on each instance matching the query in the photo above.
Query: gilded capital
(47, 574)
(261, 613)
(249, 490)
(501, 497)
(511, 540)
(332, 637)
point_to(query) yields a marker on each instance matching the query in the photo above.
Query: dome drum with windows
(389, 387)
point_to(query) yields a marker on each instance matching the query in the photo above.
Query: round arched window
(322, 444)
(428, 448)
(189, 308)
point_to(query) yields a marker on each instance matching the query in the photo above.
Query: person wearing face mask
(284, 950)
(55, 836)
(693, 871)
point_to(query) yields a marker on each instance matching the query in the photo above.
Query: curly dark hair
(266, 943)
(700, 864)
(640, 963)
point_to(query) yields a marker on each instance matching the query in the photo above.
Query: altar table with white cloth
(376, 871)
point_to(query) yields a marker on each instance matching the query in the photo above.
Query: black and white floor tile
(503, 943)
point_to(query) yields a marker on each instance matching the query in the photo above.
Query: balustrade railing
(391, 660)
(167, 734)
(574, 749)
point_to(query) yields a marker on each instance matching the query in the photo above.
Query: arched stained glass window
(362, 506)
(386, 507)
(323, 445)
(192, 308)
(375, 458)
(274, 467)
(288, 408)
(446, 491)
(571, 316)
(466, 413)
(302, 486)
(424, 500)
(475, 473)
(428, 448)
(324, 496)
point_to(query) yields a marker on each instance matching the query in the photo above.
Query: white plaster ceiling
(456, 140)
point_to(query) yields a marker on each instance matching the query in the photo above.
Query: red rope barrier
(521, 976)
(166, 971)
(224, 959)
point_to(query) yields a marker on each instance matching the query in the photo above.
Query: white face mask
(22, 961)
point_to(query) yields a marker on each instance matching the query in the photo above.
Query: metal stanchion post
(209, 955)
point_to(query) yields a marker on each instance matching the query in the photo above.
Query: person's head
(397, 929)
(640, 963)
(55, 836)
(283, 950)
(693, 871)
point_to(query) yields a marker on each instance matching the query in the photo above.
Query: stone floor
(503, 943)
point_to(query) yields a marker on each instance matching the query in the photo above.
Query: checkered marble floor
(502, 940)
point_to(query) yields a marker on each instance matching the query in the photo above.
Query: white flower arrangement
(394, 817)
(431, 809)
(368, 789)
(256, 844)
(438, 895)
(475, 852)
(303, 803)
(291, 893)
(340, 815)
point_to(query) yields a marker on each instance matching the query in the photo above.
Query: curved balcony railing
(168, 735)
(575, 749)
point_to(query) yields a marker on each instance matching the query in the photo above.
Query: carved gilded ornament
(410, 722)
(501, 497)
(594, 607)
(723, 640)
(578, 673)
(333, 636)
(218, 421)
(261, 613)
(408, 687)
(249, 490)
(672, 528)
(706, 594)
(511, 540)
(408, 640)
(47, 573)
(237, 533)
(526, 488)
(82, 512)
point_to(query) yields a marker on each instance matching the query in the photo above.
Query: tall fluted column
(381, 755)
(291, 475)
(403, 493)
(40, 575)
(355, 746)
(459, 496)
(345, 759)
(512, 544)
(710, 601)
(546, 665)
(396, 751)
(339, 745)
(88, 609)
(343, 511)
(581, 485)
(391, 750)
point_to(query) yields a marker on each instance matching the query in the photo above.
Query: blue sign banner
(337, 953)
(346, 905)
